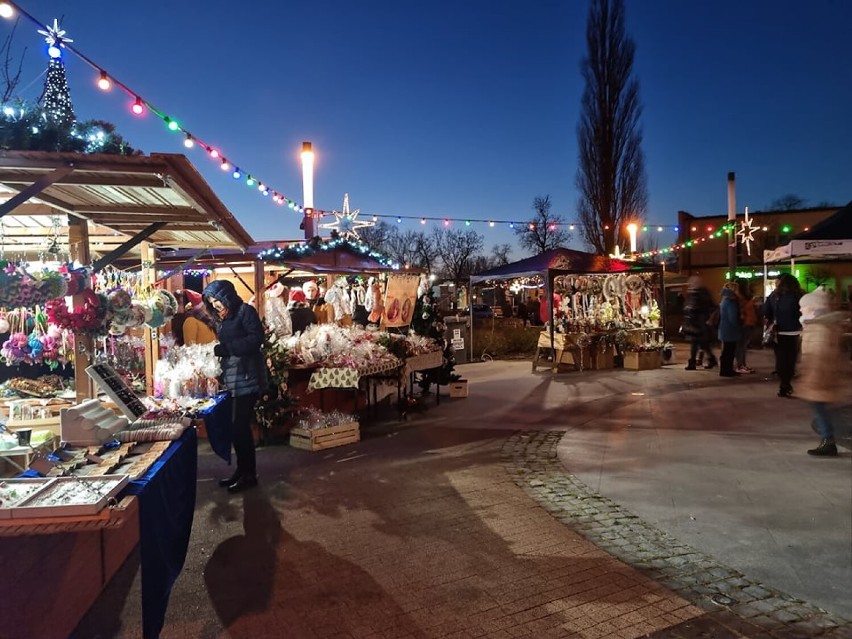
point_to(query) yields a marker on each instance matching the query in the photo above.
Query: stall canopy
(558, 259)
(160, 198)
(830, 239)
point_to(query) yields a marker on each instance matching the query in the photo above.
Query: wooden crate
(322, 438)
(458, 388)
(600, 358)
(642, 360)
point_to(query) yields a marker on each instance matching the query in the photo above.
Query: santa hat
(297, 295)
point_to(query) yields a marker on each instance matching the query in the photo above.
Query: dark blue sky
(468, 108)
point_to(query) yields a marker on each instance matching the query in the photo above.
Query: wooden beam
(84, 387)
(129, 244)
(152, 335)
(129, 180)
(118, 209)
(35, 188)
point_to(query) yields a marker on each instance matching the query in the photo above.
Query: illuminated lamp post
(631, 229)
(308, 188)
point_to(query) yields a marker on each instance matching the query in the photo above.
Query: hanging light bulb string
(140, 105)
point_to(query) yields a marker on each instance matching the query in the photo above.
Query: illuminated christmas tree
(56, 97)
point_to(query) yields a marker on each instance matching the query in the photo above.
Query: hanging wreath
(633, 283)
(88, 318)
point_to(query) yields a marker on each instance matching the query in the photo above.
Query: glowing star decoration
(346, 223)
(55, 38)
(746, 232)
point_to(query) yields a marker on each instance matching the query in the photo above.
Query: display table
(423, 363)
(52, 575)
(366, 378)
(166, 496)
(589, 351)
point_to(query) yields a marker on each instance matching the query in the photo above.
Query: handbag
(770, 335)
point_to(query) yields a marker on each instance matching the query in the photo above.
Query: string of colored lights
(140, 105)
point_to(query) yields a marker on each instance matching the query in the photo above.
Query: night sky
(466, 108)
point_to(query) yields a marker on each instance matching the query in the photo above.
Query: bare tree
(499, 255)
(376, 236)
(11, 77)
(789, 202)
(543, 232)
(611, 175)
(424, 251)
(456, 250)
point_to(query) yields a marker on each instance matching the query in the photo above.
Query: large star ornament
(346, 223)
(746, 232)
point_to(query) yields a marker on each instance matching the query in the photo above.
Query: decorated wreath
(89, 318)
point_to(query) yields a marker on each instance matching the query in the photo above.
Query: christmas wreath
(88, 318)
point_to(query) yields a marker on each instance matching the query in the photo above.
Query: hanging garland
(21, 288)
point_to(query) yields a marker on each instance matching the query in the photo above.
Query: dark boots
(690, 366)
(826, 448)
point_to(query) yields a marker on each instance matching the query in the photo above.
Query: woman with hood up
(730, 329)
(240, 333)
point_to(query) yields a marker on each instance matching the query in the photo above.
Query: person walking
(825, 370)
(730, 329)
(748, 317)
(240, 333)
(696, 312)
(782, 311)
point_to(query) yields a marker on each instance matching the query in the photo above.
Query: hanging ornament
(746, 232)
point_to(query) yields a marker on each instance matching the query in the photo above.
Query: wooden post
(152, 335)
(259, 287)
(84, 387)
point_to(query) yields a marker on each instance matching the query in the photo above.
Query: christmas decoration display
(313, 418)
(32, 341)
(89, 318)
(295, 251)
(335, 346)
(274, 404)
(746, 232)
(56, 97)
(18, 287)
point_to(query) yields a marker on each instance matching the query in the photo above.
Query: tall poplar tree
(611, 173)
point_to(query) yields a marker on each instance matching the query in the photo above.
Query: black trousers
(241, 419)
(726, 359)
(786, 353)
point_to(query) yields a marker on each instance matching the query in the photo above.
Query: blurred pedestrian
(301, 315)
(748, 316)
(781, 310)
(240, 333)
(696, 313)
(730, 329)
(824, 372)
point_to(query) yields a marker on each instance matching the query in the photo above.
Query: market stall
(101, 212)
(597, 308)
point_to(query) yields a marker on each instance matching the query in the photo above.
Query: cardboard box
(322, 438)
(642, 360)
(458, 388)
(600, 358)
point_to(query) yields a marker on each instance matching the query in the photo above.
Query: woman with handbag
(782, 310)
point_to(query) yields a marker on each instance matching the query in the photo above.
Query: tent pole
(470, 312)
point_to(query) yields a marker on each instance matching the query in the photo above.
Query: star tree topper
(746, 232)
(54, 36)
(346, 223)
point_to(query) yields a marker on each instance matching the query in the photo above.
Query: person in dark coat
(696, 311)
(782, 310)
(730, 329)
(240, 333)
(301, 314)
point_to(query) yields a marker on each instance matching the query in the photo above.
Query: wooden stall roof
(120, 196)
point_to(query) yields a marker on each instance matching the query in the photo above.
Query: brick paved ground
(736, 605)
(412, 533)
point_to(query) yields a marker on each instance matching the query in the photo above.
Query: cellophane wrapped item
(190, 370)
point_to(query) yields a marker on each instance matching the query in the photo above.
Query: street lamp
(308, 187)
(631, 229)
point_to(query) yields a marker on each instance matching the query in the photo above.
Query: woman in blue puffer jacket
(240, 333)
(730, 329)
